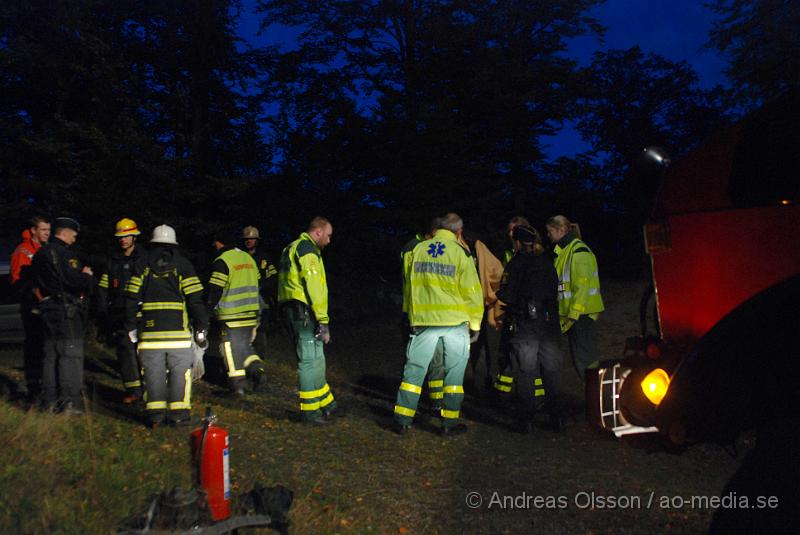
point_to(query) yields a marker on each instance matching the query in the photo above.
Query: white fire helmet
(164, 234)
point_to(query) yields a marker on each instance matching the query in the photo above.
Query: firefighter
(23, 288)
(579, 298)
(63, 283)
(111, 305)
(267, 284)
(234, 299)
(529, 293)
(303, 298)
(163, 294)
(445, 305)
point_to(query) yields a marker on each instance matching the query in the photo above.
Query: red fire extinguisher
(210, 447)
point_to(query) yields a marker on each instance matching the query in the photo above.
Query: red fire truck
(724, 245)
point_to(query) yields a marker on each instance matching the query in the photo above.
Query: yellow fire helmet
(126, 227)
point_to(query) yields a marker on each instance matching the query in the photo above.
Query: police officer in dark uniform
(111, 305)
(530, 292)
(64, 284)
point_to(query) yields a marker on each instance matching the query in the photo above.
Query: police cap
(66, 222)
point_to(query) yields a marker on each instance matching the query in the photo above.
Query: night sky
(675, 29)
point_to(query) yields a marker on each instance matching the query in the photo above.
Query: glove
(566, 323)
(201, 339)
(198, 366)
(473, 336)
(133, 336)
(323, 333)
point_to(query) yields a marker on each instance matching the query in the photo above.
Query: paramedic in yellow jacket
(444, 305)
(579, 298)
(303, 298)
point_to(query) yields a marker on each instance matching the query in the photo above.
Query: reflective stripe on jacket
(578, 281)
(169, 291)
(302, 276)
(236, 273)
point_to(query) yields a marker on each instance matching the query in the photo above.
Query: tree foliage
(379, 115)
(762, 40)
(451, 94)
(636, 100)
(125, 107)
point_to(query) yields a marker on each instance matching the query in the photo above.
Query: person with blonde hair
(579, 299)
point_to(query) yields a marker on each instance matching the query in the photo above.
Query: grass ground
(85, 475)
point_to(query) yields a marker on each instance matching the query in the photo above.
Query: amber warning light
(655, 385)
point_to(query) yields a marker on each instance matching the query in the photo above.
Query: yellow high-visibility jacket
(302, 276)
(233, 288)
(442, 284)
(578, 282)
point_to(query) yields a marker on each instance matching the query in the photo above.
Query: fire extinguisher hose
(206, 424)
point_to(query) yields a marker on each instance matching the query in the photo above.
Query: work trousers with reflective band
(240, 357)
(504, 381)
(419, 353)
(528, 356)
(583, 345)
(315, 394)
(168, 380)
(62, 367)
(436, 376)
(129, 368)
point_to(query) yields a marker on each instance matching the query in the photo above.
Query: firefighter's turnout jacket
(578, 280)
(111, 314)
(170, 292)
(302, 277)
(268, 276)
(111, 287)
